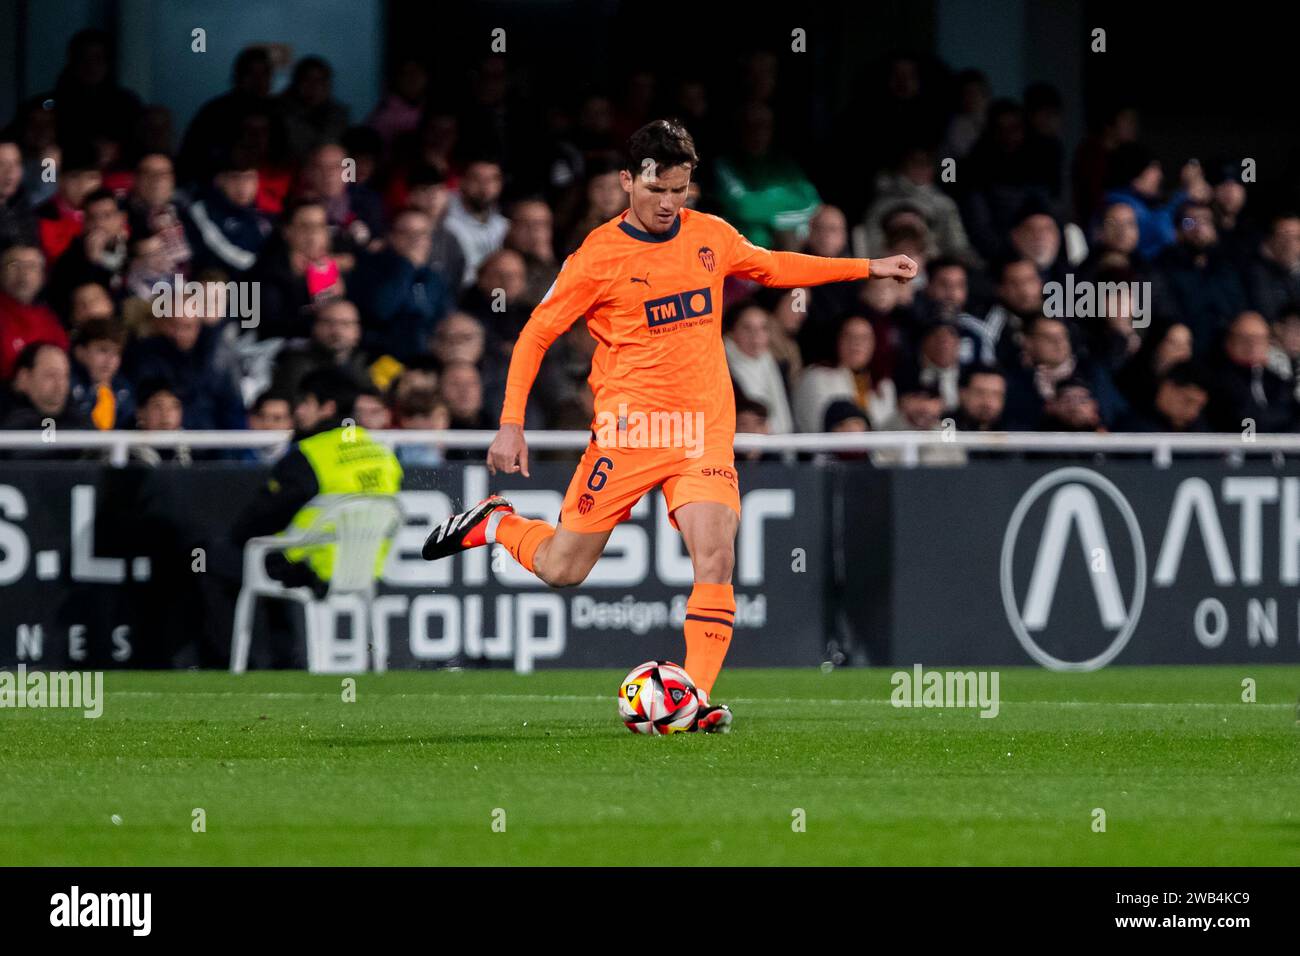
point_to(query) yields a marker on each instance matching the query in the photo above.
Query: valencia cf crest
(585, 503)
(706, 258)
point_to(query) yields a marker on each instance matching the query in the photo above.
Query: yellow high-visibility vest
(346, 460)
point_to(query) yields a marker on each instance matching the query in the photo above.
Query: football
(658, 697)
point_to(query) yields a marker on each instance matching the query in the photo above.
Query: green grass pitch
(416, 770)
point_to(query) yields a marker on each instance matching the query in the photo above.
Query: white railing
(1162, 446)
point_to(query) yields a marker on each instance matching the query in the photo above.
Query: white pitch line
(581, 698)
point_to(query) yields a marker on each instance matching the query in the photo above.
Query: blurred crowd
(407, 241)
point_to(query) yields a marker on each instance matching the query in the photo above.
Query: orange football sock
(521, 537)
(710, 614)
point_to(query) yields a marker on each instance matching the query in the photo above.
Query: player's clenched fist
(895, 267)
(508, 452)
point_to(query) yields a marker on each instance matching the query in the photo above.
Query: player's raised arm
(788, 269)
(573, 293)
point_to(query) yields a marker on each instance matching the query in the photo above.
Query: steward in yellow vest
(330, 455)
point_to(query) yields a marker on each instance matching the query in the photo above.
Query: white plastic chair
(358, 525)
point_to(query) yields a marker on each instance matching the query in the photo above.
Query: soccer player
(649, 282)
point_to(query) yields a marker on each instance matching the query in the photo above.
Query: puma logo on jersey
(646, 280)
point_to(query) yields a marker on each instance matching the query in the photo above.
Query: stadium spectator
(1284, 354)
(1109, 128)
(753, 367)
(1236, 234)
(192, 356)
(604, 199)
(160, 410)
(472, 215)
(920, 409)
(17, 224)
(982, 398)
(296, 271)
(946, 291)
(154, 209)
(844, 416)
(531, 235)
(1195, 280)
(91, 104)
(1247, 393)
(1049, 360)
(996, 180)
(272, 410)
(761, 191)
(1164, 347)
(1274, 275)
(1179, 405)
(849, 378)
(354, 211)
(427, 191)
(23, 319)
(788, 311)
(1044, 151)
(420, 408)
(967, 122)
(311, 115)
(59, 218)
(497, 299)
(209, 133)
(335, 343)
(995, 339)
(89, 301)
(461, 390)
(100, 393)
(39, 395)
(751, 419)
(1035, 235)
(1071, 407)
(148, 264)
(937, 361)
(371, 410)
(1136, 177)
(99, 254)
(1114, 243)
(911, 184)
(225, 230)
(400, 297)
(399, 112)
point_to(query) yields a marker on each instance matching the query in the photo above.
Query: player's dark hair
(330, 385)
(664, 141)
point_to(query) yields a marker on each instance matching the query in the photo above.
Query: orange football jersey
(654, 305)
